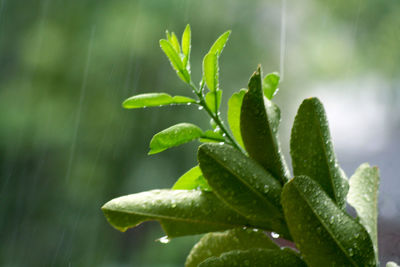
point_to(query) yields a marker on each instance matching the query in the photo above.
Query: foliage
(242, 184)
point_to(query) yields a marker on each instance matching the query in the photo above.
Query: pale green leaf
(192, 179)
(391, 264)
(325, 234)
(180, 212)
(256, 257)
(211, 136)
(210, 71)
(174, 136)
(186, 45)
(175, 60)
(363, 196)
(154, 100)
(214, 244)
(175, 43)
(312, 151)
(270, 85)
(234, 107)
(213, 100)
(259, 122)
(243, 185)
(219, 44)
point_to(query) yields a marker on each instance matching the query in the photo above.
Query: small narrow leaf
(192, 179)
(211, 136)
(214, 244)
(175, 60)
(186, 45)
(259, 121)
(219, 44)
(213, 103)
(234, 107)
(256, 257)
(155, 99)
(270, 85)
(180, 212)
(243, 185)
(174, 136)
(324, 234)
(312, 151)
(175, 43)
(363, 196)
(210, 71)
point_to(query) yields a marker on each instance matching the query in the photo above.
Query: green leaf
(363, 196)
(234, 107)
(391, 264)
(174, 136)
(175, 60)
(243, 185)
(175, 43)
(259, 121)
(211, 136)
(214, 244)
(219, 44)
(186, 39)
(312, 151)
(270, 85)
(324, 234)
(210, 71)
(256, 257)
(154, 100)
(180, 212)
(192, 179)
(213, 103)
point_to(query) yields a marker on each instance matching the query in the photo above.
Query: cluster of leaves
(242, 186)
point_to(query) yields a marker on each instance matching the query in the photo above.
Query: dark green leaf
(211, 136)
(155, 99)
(213, 103)
(174, 136)
(210, 71)
(270, 85)
(219, 44)
(243, 185)
(363, 196)
(325, 234)
(312, 151)
(259, 121)
(214, 244)
(186, 39)
(234, 107)
(175, 60)
(192, 179)
(256, 257)
(180, 212)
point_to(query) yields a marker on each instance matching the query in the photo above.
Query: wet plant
(242, 188)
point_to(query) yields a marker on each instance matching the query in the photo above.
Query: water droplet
(188, 104)
(164, 240)
(274, 235)
(200, 108)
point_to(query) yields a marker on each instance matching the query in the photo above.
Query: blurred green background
(67, 146)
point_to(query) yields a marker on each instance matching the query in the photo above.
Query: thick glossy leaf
(214, 244)
(211, 136)
(154, 100)
(363, 196)
(211, 71)
(174, 136)
(243, 185)
(213, 100)
(256, 257)
(175, 60)
(259, 121)
(270, 85)
(192, 179)
(186, 45)
(312, 151)
(234, 107)
(175, 43)
(219, 44)
(325, 234)
(180, 212)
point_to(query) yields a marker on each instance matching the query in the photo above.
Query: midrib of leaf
(326, 228)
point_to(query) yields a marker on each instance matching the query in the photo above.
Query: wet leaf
(219, 44)
(154, 100)
(270, 85)
(192, 179)
(213, 100)
(175, 60)
(243, 185)
(259, 121)
(363, 196)
(214, 244)
(180, 212)
(234, 107)
(256, 257)
(312, 151)
(211, 71)
(174, 136)
(175, 43)
(186, 39)
(211, 136)
(325, 234)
